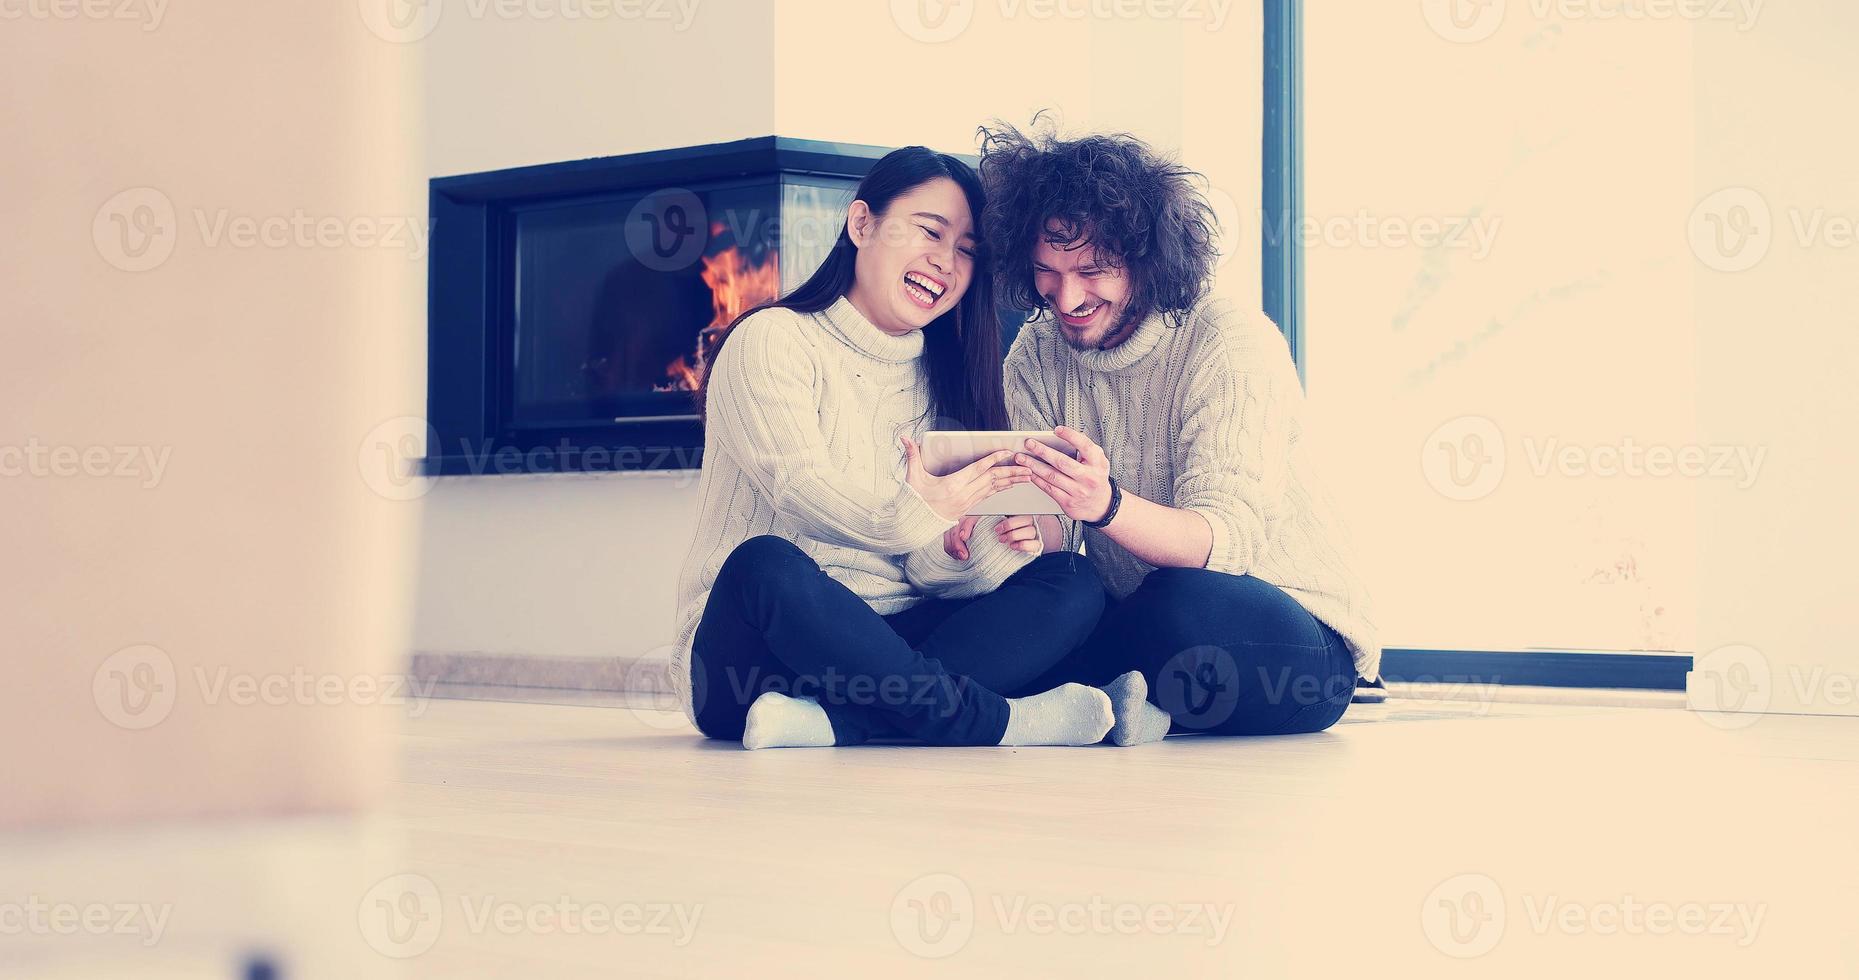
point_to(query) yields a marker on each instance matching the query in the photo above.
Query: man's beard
(1119, 331)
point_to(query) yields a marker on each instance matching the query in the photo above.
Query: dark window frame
(1281, 192)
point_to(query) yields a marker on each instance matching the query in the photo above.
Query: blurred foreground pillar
(210, 325)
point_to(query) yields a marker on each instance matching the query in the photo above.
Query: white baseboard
(599, 675)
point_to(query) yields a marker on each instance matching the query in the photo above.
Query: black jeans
(776, 622)
(1223, 654)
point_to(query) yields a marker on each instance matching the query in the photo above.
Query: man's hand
(1081, 487)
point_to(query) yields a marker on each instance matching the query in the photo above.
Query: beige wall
(586, 566)
(1561, 317)
(201, 327)
(1602, 156)
(505, 91)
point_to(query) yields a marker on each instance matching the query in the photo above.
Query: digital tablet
(946, 452)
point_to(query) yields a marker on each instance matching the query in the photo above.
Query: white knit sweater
(801, 441)
(1205, 417)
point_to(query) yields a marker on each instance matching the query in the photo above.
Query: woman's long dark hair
(961, 348)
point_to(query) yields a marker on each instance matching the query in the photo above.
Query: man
(1229, 574)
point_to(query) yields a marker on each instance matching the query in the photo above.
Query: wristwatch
(1116, 501)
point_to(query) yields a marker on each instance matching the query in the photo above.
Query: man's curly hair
(1140, 210)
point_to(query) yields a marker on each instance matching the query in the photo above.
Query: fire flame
(735, 285)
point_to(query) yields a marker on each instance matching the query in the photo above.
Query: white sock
(1138, 722)
(1070, 714)
(777, 721)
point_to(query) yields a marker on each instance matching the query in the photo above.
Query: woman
(821, 602)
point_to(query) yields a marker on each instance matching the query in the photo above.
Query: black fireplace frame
(467, 285)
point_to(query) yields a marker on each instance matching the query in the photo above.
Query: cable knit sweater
(801, 440)
(1204, 417)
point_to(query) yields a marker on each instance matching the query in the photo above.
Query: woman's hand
(1081, 487)
(1052, 532)
(951, 496)
(955, 539)
(1034, 535)
(1031, 534)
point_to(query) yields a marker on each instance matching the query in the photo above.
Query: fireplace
(567, 302)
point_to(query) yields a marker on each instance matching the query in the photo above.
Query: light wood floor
(1324, 855)
(1550, 840)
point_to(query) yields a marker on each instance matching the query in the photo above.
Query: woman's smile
(923, 289)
